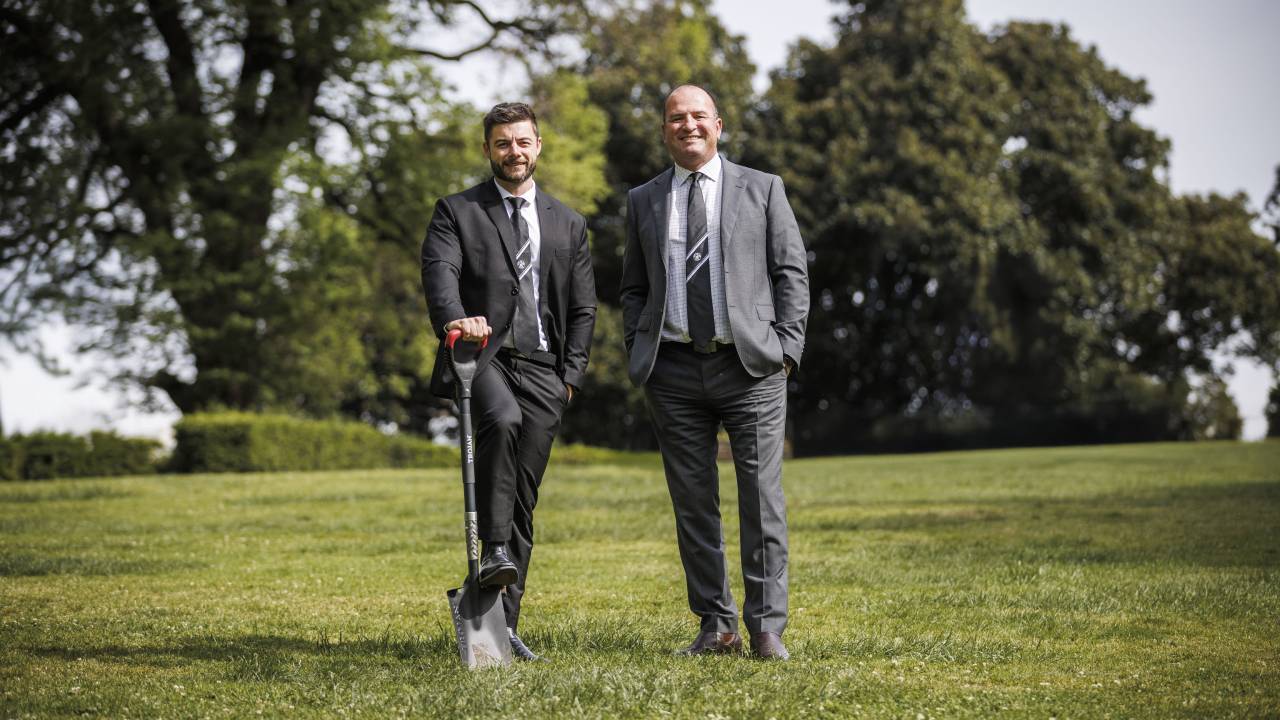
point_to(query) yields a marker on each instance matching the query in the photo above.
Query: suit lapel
(501, 222)
(731, 184)
(551, 238)
(659, 199)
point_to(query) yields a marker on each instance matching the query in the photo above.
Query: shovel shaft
(469, 487)
(464, 372)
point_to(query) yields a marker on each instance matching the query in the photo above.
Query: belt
(710, 348)
(539, 357)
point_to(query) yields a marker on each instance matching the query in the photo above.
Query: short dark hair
(507, 113)
(715, 103)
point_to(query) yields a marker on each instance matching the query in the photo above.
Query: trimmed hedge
(245, 442)
(577, 454)
(48, 455)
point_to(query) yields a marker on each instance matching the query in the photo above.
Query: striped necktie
(697, 269)
(526, 323)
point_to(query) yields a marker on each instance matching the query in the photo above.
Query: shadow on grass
(262, 657)
(303, 499)
(24, 565)
(268, 657)
(55, 491)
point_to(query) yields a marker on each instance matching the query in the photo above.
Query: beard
(513, 173)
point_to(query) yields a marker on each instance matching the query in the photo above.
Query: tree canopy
(995, 257)
(227, 199)
(203, 187)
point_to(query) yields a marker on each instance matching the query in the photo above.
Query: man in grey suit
(506, 261)
(715, 297)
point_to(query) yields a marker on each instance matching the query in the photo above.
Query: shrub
(53, 455)
(576, 454)
(47, 455)
(12, 456)
(245, 442)
(113, 454)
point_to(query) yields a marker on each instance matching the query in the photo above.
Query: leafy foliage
(149, 155)
(1273, 412)
(48, 455)
(228, 200)
(249, 442)
(994, 256)
(634, 54)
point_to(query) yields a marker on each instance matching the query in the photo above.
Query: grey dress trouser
(689, 395)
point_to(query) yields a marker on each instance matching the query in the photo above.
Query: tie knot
(694, 177)
(516, 202)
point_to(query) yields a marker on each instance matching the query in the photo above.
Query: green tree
(1119, 277)
(1087, 261)
(150, 157)
(1213, 414)
(888, 142)
(1273, 412)
(1271, 209)
(384, 197)
(634, 54)
(994, 257)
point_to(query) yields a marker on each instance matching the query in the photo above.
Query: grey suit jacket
(765, 267)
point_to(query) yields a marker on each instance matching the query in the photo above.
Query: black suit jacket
(468, 269)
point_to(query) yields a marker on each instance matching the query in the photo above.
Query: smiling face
(691, 127)
(512, 150)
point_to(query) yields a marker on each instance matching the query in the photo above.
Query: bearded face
(512, 150)
(514, 170)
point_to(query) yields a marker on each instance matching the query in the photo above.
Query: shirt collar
(710, 170)
(528, 196)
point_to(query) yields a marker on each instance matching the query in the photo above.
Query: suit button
(515, 289)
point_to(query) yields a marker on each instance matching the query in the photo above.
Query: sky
(1210, 67)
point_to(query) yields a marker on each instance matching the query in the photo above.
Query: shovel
(478, 617)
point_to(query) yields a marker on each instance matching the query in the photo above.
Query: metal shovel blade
(481, 626)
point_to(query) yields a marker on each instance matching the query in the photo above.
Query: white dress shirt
(676, 325)
(529, 211)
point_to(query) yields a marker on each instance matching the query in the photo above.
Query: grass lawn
(1124, 581)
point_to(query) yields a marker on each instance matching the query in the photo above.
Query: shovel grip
(454, 334)
(464, 371)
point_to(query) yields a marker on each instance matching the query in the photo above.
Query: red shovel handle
(455, 333)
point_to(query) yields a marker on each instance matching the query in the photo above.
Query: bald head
(691, 126)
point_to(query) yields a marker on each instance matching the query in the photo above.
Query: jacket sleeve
(581, 319)
(441, 268)
(634, 292)
(788, 268)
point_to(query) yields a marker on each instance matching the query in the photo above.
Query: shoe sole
(500, 578)
(723, 650)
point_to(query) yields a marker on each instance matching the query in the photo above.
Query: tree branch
(536, 31)
(452, 56)
(42, 99)
(181, 62)
(261, 51)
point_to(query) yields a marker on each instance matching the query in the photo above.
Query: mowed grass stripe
(1135, 581)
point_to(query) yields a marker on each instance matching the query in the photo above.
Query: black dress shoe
(496, 569)
(520, 651)
(714, 643)
(768, 646)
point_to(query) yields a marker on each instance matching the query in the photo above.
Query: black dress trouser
(516, 405)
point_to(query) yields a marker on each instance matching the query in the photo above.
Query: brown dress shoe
(709, 643)
(768, 646)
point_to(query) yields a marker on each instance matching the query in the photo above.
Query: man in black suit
(508, 262)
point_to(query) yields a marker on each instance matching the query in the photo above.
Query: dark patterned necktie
(697, 269)
(526, 324)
